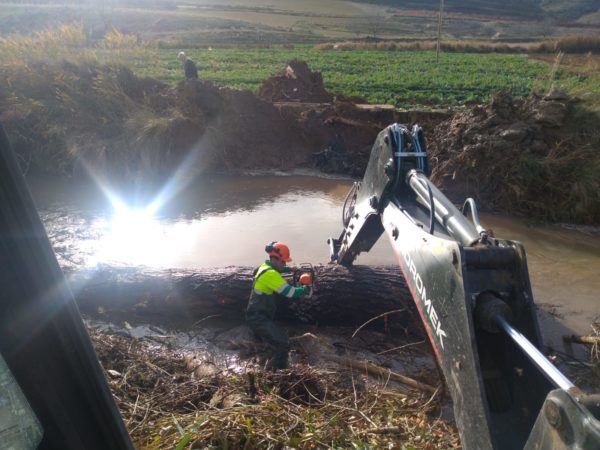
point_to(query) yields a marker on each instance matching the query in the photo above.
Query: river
(220, 221)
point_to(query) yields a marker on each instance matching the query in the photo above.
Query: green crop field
(401, 78)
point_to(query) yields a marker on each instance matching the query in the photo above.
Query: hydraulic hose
(443, 209)
(347, 212)
(431, 209)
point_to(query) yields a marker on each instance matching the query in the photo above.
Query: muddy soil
(534, 157)
(524, 157)
(295, 83)
(164, 379)
(108, 121)
(241, 131)
(230, 345)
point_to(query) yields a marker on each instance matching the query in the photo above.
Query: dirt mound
(106, 119)
(242, 131)
(517, 157)
(67, 119)
(296, 83)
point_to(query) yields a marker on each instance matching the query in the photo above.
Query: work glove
(304, 290)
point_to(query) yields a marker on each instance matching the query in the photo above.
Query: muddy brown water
(227, 220)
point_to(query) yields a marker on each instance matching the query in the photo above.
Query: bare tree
(439, 33)
(374, 22)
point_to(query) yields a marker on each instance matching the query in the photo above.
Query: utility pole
(439, 34)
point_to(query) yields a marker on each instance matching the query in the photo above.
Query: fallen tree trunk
(342, 296)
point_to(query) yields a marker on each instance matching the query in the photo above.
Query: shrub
(578, 44)
(116, 40)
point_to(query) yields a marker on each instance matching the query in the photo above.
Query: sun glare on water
(136, 235)
(132, 237)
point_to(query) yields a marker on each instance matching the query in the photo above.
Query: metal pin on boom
(541, 362)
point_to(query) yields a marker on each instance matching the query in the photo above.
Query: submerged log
(342, 296)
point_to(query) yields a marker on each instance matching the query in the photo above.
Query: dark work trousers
(274, 335)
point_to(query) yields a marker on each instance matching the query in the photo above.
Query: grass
(65, 90)
(165, 406)
(577, 74)
(403, 78)
(55, 95)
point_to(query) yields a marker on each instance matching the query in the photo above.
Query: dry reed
(567, 44)
(164, 406)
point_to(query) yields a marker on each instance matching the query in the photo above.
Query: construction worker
(268, 288)
(191, 73)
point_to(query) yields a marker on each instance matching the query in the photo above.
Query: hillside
(569, 10)
(507, 8)
(195, 23)
(562, 10)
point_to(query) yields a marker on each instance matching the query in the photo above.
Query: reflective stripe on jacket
(268, 283)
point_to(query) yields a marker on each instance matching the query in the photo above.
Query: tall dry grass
(65, 99)
(462, 46)
(69, 42)
(65, 42)
(568, 44)
(578, 44)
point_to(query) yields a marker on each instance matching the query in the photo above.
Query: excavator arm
(474, 297)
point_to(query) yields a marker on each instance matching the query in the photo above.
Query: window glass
(19, 427)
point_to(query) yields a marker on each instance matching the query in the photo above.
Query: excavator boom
(474, 297)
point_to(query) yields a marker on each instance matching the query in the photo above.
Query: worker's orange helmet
(279, 250)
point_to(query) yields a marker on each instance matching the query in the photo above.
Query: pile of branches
(595, 350)
(165, 406)
(535, 157)
(147, 382)
(586, 372)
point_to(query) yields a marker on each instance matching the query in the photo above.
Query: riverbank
(203, 393)
(73, 116)
(200, 383)
(236, 202)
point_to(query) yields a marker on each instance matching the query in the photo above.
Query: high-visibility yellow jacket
(267, 286)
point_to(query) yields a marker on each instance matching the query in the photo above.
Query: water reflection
(210, 194)
(563, 266)
(223, 221)
(217, 221)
